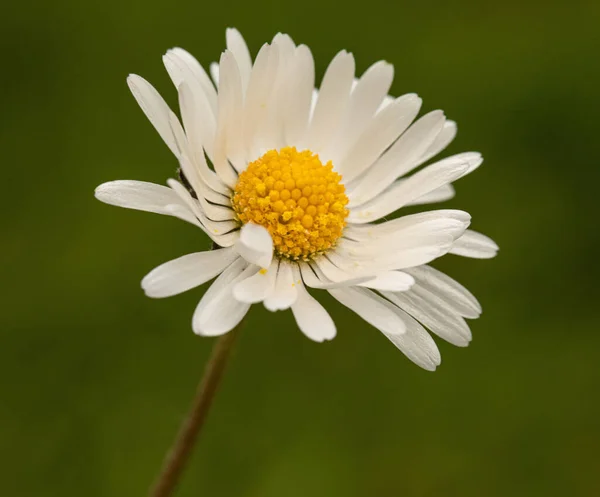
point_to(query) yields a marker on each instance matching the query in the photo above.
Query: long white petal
(228, 141)
(255, 245)
(214, 212)
(214, 73)
(394, 281)
(259, 100)
(199, 177)
(331, 103)
(371, 307)
(156, 109)
(416, 252)
(447, 325)
(214, 229)
(313, 277)
(187, 272)
(475, 245)
(421, 183)
(416, 344)
(183, 66)
(138, 195)
(332, 269)
(365, 99)
(450, 290)
(285, 291)
(184, 213)
(200, 127)
(255, 288)
(442, 140)
(441, 194)
(237, 45)
(401, 158)
(401, 243)
(199, 104)
(380, 133)
(441, 302)
(271, 133)
(312, 318)
(205, 183)
(218, 311)
(300, 91)
(452, 221)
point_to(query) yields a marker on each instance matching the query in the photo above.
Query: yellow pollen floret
(300, 200)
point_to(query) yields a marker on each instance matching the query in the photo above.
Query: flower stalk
(181, 450)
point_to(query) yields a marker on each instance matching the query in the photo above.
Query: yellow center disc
(297, 198)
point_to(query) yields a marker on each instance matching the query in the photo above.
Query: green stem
(181, 450)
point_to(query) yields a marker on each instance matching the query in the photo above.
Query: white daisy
(291, 184)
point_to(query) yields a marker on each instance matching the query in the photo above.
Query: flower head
(294, 184)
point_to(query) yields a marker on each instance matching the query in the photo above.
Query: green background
(95, 377)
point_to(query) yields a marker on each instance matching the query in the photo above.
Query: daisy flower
(293, 185)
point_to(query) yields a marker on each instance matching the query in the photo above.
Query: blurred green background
(95, 377)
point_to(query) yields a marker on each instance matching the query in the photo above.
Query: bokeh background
(95, 377)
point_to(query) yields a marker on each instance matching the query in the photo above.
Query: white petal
(371, 307)
(330, 270)
(331, 103)
(197, 103)
(259, 99)
(475, 245)
(394, 281)
(214, 229)
(312, 318)
(258, 286)
(313, 277)
(284, 293)
(442, 140)
(416, 251)
(156, 109)
(401, 158)
(214, 212)
(138, 195)
(313, 105)
(421, 183)
(228, 140)
(214, 73)
(450, 221)
(451, 291)
(183, 66)
(300, 90)
(404, 242)
(184, 273)
(364, 101)
(444, 323)
(255, 245)
(205, 183)
(281, 98)
(218, 311)
(200, 127)
(440, 194)
(285, 42)
(342, 272)
(239, 49)
(195, 177)
(416, 344)
(183, 213)
(442, 304)
(454, 308)
(381, 132)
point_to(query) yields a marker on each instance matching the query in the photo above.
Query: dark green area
(95, 377)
